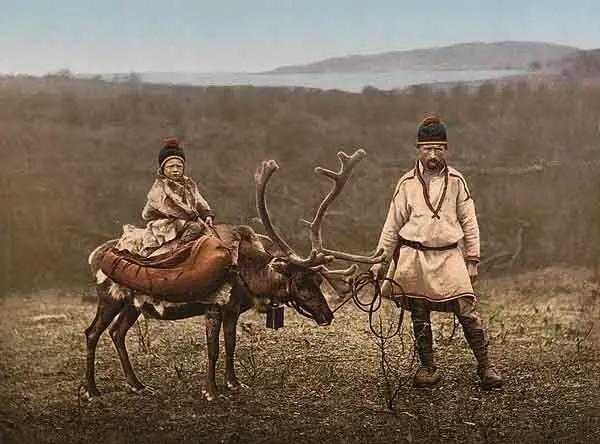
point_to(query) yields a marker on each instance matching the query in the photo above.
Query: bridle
(356, 284)
(287, 300)
(290, 302)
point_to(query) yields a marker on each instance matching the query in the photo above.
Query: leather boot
(427, 374)
(488, 377)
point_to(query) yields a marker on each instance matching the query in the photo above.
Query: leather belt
(419, 246)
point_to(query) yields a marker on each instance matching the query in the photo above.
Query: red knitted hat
(170, 148)
(432, 131)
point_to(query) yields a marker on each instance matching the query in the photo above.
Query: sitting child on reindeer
(175, 211)
(179, 255)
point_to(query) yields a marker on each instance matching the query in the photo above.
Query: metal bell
(275, 316)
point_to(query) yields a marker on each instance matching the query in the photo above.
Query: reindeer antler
(336, 273)
(319, 255)
(262, 176)
(339, 178)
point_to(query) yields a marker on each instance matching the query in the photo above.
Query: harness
(276, 301)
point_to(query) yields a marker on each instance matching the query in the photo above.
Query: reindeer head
(304, 275)
(301, 289)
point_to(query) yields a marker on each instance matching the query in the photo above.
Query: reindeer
(269, 270)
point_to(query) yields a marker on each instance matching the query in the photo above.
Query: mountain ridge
(517, 55)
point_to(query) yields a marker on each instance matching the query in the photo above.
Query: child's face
(173, 169)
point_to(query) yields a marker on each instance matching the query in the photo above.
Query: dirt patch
(309, 384)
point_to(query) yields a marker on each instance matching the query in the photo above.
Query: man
(430, 212)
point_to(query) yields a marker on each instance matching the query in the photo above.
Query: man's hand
(209, 221)
(378, 270)
(473, 269)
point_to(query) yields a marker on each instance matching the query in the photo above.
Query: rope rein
(360, 282)
(364, 279)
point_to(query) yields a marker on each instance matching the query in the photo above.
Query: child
(175, 211)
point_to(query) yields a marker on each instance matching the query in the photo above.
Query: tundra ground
(309, 384)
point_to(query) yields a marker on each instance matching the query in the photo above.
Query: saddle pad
(189, 273)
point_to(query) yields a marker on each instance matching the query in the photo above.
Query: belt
(419, 246)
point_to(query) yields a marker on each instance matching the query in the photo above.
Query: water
(353, 82)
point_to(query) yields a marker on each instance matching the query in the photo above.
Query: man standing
(430, 212)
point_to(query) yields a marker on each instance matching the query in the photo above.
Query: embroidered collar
(419, 172)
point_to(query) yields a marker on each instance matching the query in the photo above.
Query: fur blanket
(170, 207)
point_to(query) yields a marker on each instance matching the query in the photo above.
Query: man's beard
(434, 164)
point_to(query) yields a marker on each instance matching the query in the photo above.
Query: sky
(107, 36)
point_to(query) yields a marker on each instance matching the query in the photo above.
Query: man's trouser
(464, 309)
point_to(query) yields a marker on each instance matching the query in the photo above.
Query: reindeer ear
(280, 265)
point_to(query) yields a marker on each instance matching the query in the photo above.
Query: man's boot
(427, 374)
(488, 377)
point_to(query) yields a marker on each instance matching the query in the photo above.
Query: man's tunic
(434, 211)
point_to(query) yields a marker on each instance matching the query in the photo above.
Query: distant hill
(580, 68)
(578, 64)
(475, 55)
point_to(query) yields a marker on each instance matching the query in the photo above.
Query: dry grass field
(309, 384)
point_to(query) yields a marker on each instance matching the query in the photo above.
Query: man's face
(173, 169)
(432, 156)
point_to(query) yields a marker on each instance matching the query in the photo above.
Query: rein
(374, 304)
(357, 285)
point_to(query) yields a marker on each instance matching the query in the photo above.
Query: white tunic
(436, 211)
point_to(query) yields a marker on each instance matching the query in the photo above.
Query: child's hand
(209, 221)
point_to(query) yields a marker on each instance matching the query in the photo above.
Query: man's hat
(432, 131)
(169, 150)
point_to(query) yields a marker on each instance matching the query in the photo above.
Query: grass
(309, 384)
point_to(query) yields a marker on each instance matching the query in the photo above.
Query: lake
(353, 82)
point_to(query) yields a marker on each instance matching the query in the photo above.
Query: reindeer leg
(106, 311)
(214, 317)
(230, 319)
(118, 331)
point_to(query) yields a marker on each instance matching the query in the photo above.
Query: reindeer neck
(256, 274)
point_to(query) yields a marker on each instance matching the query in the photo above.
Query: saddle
(189, 273)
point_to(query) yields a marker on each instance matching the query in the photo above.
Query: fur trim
(118, 292)
(100, 277)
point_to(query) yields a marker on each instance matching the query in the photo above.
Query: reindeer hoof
(208, 395)
(139, 390)
(236, 385)
(88, 393)
(149, 390)
(211, 395)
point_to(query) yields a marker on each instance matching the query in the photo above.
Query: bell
(275, 316)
